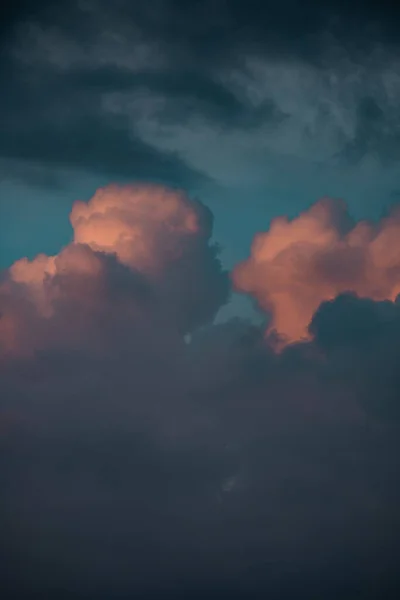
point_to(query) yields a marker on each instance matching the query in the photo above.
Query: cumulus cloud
(163, 234)
(136, 247)
(138, 462)
(299, 263)
(136, 222)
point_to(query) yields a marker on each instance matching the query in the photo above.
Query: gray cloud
(362, 339)
(258, 84)
(135, 462)
(124, 476)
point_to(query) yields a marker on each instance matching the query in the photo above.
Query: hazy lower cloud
(138, 460)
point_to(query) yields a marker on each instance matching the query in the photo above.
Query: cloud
(103, 40)
(223, 467)
(57, 302)
(138, 461)
(83, 136)
(139, 247)
(339, 111)
(163, 234)
(158, 85)
(266, 114)
(299, 263)
(138, 224)
(360, 339)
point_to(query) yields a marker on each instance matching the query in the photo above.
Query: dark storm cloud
(135, 462)
(214, 29)
(298, 263)
(226, 19)
(362, 339)
(62, 126)
(126, 477)
(376, 133)
(63, 65)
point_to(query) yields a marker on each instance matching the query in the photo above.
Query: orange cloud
(144, 225)
(299, 263)
(127, 239)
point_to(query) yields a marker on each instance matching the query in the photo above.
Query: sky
(199, 299)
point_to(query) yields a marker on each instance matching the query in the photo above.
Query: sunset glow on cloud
(293, 267)
(113, 408)
(299, 263)
(150, 231)
(146, 226)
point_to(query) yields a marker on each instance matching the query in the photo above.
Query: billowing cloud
(163, 234)
(145, 226)
(299, 263)
(140, 248)
(136, 461)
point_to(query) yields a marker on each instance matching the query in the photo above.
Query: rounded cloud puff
(297, 264)
(164, 234)
(131, 242)
(146, 226)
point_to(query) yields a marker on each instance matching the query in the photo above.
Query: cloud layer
(136, 462)
(154, 84)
